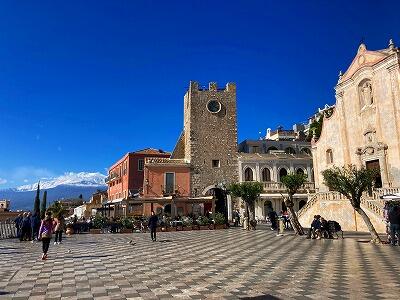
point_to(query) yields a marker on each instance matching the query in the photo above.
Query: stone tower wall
(210, 136)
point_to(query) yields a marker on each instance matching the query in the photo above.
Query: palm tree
(249, 192)
(293, 182)
(57, 209)
(352, 183)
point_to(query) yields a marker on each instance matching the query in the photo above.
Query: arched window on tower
(329, 156)
(266, 175)
(248, 174)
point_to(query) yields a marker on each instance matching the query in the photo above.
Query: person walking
(153, 220)
(25, 227)
(18, 225)
(45, 233)
(394, 219)
(35, 224)
(58, 229)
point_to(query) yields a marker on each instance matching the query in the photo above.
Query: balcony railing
(278, 187)
(111, 177)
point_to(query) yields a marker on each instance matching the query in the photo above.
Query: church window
(329, 156)
(300, 171)
(248, 174)
(215, 163)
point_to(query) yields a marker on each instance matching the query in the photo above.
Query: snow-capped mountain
(69, 185)
(71, 178)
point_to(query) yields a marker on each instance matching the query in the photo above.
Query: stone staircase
(334, 206)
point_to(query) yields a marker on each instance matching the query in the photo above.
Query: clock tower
(209, 138)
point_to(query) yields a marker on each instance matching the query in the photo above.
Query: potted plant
(187, 223)
(219, 221)
(126, 225)
(98, 224)
(204, 222)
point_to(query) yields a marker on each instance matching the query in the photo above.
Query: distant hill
(69, 185)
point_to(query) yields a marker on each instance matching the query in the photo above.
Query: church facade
(364, 128)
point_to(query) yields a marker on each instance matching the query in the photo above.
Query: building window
(140, 164)
(215, 163)
(282, 173)
(300, 171)
(248, 174)
(266, 175)
(169, 183)
(329, 156)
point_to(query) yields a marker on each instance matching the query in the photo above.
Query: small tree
(43, 205)
(249, 191)
(352, 183)
(36, 204)
(293, 182)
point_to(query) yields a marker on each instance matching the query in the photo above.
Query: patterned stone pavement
(220, 264)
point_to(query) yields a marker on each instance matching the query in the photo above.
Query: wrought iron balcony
(111, 177)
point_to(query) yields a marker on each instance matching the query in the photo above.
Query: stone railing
(372, 202)
(7, 230)
(276, 187)
(312, 199)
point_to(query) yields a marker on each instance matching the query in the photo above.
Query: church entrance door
(374, 164)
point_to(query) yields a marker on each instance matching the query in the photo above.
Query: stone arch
(365, 92)
(300, 170)
(266, 174)
(283, 171)
(248, 174)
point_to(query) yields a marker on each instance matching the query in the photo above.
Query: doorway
(374, 164)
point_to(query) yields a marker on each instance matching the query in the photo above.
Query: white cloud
(33, 173)
(3, 181)
(26, 180)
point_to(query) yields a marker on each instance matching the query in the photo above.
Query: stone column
(274, 175)
(229, 207)
(257, 177)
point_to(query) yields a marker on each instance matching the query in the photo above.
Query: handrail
(8, 230)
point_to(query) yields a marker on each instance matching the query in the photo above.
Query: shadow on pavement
(262, 297)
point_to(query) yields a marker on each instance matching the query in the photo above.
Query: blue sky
(83, 82)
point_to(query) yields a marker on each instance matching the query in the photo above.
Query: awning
(390, 197)
(115, 201)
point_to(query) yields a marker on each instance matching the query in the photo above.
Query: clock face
(213, 106)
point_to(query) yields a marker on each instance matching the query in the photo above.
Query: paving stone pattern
(217, 264)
